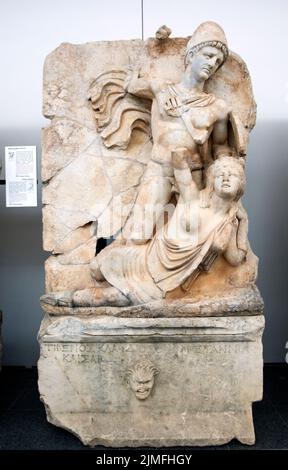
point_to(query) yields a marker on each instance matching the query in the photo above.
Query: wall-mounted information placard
(21, 176)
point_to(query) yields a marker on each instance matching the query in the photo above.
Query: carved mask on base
(141, 378)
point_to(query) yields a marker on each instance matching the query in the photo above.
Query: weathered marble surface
(209, 371)
(90, 186)
(131, 356)
(241, 301)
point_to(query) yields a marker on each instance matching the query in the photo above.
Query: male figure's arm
(138, 86)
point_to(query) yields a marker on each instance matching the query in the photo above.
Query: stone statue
(205, 224)
(182, 115)
(147, 148)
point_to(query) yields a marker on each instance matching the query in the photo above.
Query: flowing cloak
(147, 272)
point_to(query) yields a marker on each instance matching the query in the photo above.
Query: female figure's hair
(231, 162)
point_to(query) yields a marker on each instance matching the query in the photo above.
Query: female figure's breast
(184, 224)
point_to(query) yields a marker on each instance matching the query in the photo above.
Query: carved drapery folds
(124, 177)
(117, 114)
(156, 338)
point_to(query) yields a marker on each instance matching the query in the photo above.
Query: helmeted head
(207, 49)
(225, 177)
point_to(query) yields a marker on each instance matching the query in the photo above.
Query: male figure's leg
(154, 193)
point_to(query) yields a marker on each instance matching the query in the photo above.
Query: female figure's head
(226, 178)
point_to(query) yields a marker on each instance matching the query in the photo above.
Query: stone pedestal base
(152, 381)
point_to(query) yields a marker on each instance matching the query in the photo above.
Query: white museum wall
(30, 30)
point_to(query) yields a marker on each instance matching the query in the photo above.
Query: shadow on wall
(22, 257)
(266, 202)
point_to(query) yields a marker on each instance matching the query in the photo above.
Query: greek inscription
(218, 348)
(79, 358)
